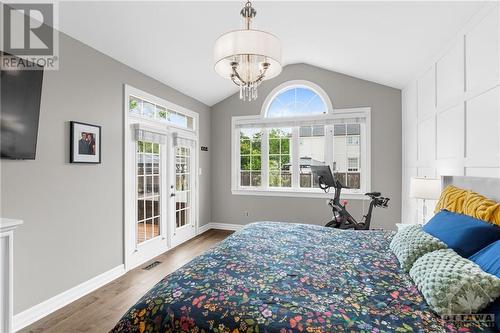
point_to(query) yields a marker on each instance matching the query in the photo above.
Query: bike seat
(373, 194)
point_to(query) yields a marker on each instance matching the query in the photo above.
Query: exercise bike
(342, 219)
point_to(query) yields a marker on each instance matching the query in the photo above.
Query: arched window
(296, 99)
(273, 153)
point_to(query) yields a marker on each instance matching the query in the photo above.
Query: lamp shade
(425, 188)
(261, 46)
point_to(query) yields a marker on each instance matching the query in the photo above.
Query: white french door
(164, 194)
(160, 180)
(149, 225)
(183, 191)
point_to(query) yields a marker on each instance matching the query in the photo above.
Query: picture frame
(85, 143)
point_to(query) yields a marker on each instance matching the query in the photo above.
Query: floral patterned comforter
(280, 277)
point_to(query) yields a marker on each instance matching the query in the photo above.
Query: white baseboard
(225, 226)
(204, 228)
(221, 226)
(37, 312)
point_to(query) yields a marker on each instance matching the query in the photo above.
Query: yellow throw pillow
(495, 217)
(452, 199)
(482, 208)
(458, 200)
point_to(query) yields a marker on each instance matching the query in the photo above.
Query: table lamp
(425, 189)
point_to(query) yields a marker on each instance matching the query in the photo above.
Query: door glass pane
(148, 190)
(149, 208)
(140, 186)
(156, 208)
(156, 185)
(156, 161)
(149, 185)
(182, 185)
(148, 165)
(148, 231)
(141, 236)
(140, 210)
(156, 228)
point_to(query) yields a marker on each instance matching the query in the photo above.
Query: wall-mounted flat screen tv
(21, 91)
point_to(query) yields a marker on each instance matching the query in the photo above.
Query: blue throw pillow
(489, 261)
(489, 258)
(464, 234)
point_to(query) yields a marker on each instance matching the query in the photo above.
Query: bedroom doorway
(160, 177)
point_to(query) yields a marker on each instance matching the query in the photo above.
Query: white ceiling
(384, 42)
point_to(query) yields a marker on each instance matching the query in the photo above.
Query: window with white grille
(274, 152)
(148, 110)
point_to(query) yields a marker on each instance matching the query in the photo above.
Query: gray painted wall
(345, 92)
(73, 213)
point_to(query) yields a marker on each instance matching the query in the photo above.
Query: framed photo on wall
(85, 143)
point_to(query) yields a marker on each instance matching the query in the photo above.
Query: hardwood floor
(100, 310)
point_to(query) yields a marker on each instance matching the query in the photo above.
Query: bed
(280, 277)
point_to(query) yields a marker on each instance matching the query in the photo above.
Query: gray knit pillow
(411, 243)
(452, 284)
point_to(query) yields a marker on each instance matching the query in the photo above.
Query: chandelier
(248, 56)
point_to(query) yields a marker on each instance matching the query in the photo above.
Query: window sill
(298, 194)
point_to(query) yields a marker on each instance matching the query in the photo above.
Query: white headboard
(489, 187)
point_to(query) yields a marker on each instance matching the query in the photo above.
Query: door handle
(172, 195)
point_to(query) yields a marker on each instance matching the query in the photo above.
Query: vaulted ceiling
(384, 42)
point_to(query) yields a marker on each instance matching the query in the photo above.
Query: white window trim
(295, 84)
(295, 191)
